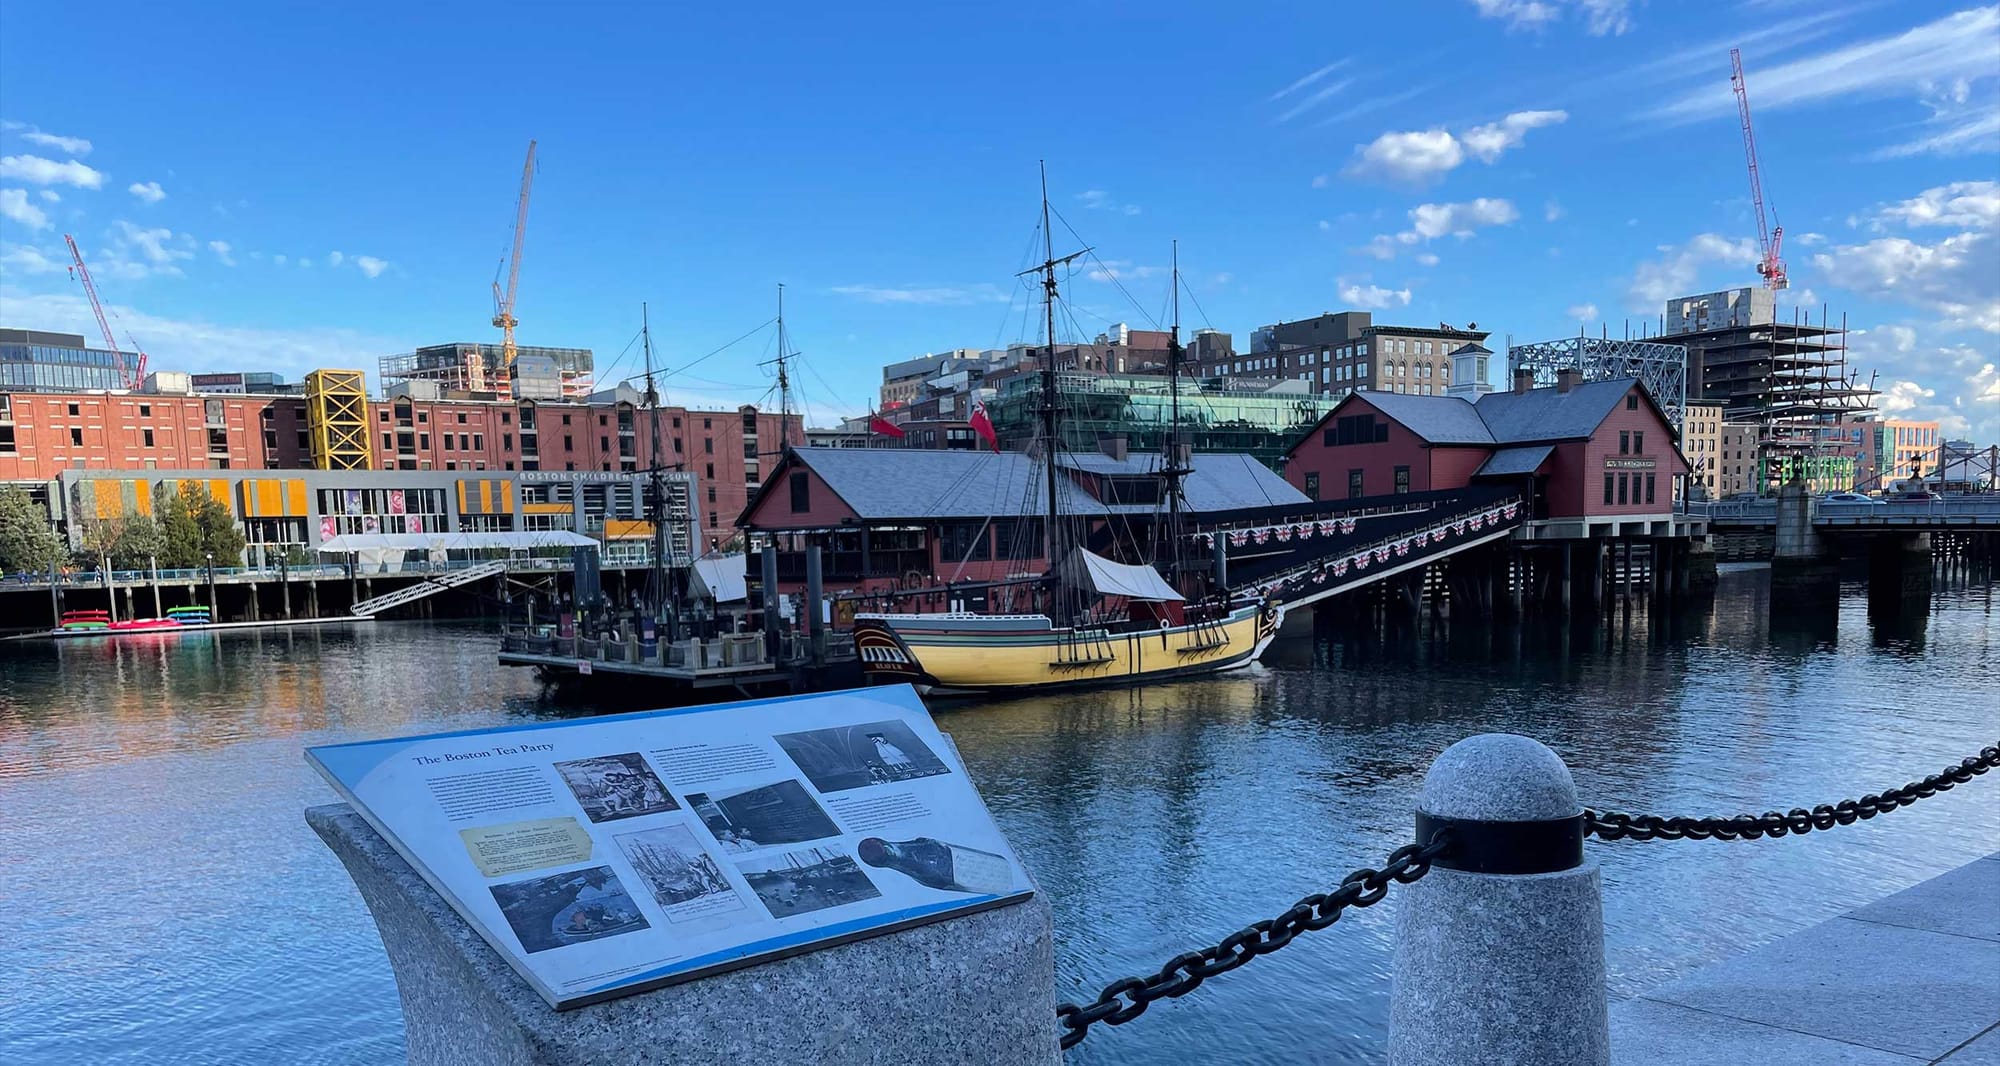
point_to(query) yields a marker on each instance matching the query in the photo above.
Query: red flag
(984, 426)
(878, 424)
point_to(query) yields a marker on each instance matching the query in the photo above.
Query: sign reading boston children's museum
(622, 853)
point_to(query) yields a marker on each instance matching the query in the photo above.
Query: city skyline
(262, 195)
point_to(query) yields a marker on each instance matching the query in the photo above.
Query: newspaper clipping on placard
(615, 854)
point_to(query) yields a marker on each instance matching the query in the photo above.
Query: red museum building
(1596, 457)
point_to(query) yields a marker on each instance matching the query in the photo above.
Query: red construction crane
(129, 376)
(1770, 240)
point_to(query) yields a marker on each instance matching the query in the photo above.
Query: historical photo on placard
(852, 756)
(683, 877)
(568, 908)
(754, 818)
(794, 882)
(936, 864)
(610, 787)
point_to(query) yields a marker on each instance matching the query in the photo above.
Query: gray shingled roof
(1548, 414)
(916, 483)
(1524, 459)
(1438, 419)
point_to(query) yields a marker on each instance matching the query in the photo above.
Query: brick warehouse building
(44, 434)
(1601, 450)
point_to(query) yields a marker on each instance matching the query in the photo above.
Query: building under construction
(479, 371)
(1789, 379)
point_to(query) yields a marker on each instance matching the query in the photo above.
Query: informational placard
(610, 855)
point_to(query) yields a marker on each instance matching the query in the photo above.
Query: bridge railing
(233, 574)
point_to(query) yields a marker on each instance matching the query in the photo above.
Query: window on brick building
(1402, 479)
(146, 435)
(1624, 442)
(1607, 488)
(145, 410)
(1638, 442)
(76, 434)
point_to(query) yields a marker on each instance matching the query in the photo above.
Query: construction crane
(503, 300)
(129, 375)
(1770, 240)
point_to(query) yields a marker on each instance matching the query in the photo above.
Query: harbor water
(165, 901)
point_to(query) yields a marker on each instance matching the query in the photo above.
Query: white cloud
(1320, 180)
(1963, 204)
(1427, 259)
(50, 196)
(370, 265)
(192, 344)
(1806, 240)
(1958, 276)
(1431, 221)
(304, 262)
(1099, 200)
(35, 170)
(278, 259)
(1309, 79)
(334, 258)
(1583, 312)
(1902, 397)
(930, 295)
(1518, 14)
(138, 252)
(1222, 278)
(1417, 157)
(14, 205)
(1486, 143)
(1122, 270)
(1962, 133)
(72, 146)
(148, 191)
(1985, 385)
(1958, 46)
(1679, 268)
(27, 259)
(1372, 296)
(1381, 247)
(1325, 226)
(1602, 18)
(1551, 211)
(222, 250)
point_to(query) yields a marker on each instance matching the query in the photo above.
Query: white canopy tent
(1107, 578)
(389, 549)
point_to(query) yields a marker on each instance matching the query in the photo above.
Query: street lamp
(214, 608)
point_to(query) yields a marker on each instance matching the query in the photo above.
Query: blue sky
(280, 189)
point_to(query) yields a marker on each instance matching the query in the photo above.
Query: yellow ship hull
(951, 659)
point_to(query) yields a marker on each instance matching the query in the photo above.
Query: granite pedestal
(1500, 969)
(978, 989)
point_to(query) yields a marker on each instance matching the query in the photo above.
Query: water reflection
(167, 903)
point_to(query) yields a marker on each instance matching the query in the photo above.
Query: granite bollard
(976, 989)
(1499, 957)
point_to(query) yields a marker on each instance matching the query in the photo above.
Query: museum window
(75, 433)
(1638, 442)
(1631, 401)
(147, 436)
(1402, 479)
(1649, 488)
(1312, 486)
(1624, 442)
(801, 483)
(1623, 480)
(1607, 488)
(1353, 484)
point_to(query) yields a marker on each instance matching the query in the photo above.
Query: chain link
(1617, 826)
(1126, 999)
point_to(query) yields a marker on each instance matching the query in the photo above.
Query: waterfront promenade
(1913, 978)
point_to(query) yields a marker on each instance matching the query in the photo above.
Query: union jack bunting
(1361, 561)
(1403, 547)
(1339, 567)
(1326, 528)
(1347, 525)
(1458, 526)
(1239, 539)
(1261, 536)
(1381, 555)
(1284, 534)
(1476, 521)
(1423, 538)
(1511, 510)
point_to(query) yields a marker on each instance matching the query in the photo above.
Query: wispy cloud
(140, 251)
(1418, 157)
(1601, 18)
(1374, 297)
(1583, 312)
(1679, 268)
(1309, 79)
(1958, 277)
(1317, 98)
(927, 295)
(1374, 104)
(1428, 222)
(28, 259)
(370, 265)
(1958, 46)
(67, 145)
(149, 191)
(1099, 200)
(222, 252)
(35, 170)
(14, 205)
(1963, 133)
(1123, 270)
(1967, 204)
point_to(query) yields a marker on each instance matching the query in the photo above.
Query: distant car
(1848, 497)
(1914, 496)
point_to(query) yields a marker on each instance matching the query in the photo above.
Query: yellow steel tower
(337, 420)
(503, 299)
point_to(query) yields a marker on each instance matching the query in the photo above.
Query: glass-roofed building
(1261, 418)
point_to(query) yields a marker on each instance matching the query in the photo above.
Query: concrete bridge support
(1799, 557)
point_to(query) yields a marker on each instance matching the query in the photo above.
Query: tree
(128, 541)
(195, 525)
(28, 542)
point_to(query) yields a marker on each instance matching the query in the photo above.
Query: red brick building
(1601, 449)
(42, 434)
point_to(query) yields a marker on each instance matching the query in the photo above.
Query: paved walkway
(1914, 978)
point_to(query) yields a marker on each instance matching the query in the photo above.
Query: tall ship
(1090, 619)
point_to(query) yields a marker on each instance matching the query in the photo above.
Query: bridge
(430, 586)
(1979, 511)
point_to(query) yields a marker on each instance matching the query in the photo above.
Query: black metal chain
(1126, 999)
(1615, 826)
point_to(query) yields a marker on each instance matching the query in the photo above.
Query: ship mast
(1171, 470)
(656, 508)
(1051, 398)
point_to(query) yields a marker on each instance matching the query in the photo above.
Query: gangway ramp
(430, 586)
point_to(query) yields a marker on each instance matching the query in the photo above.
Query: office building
(1335, 354)
(33, 360)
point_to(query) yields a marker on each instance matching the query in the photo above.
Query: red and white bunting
(1511, 510)
(1403, 547)
(1340, 568)
(1239, 539)
(1284, 534)
(1347, 525)
(1381, 555)
(1262, 535)
(1423, 538)
(1476, 521)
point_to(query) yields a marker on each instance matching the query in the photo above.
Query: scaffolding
(337, 420)
(1662, 368)
(480, 371)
